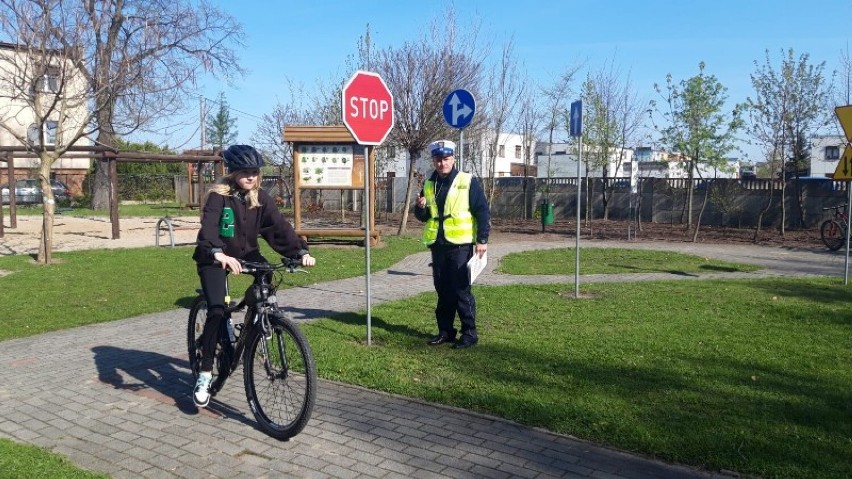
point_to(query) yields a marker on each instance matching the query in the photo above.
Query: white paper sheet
(476, 265)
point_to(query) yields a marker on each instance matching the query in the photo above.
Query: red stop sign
(367, 108)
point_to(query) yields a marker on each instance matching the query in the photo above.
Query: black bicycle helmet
(242, 157)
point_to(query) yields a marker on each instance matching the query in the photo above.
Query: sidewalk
(120, 400)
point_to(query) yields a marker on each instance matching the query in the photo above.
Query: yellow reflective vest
(459, 224)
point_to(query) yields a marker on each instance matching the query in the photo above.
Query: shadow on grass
(377, 322)
(715, 417)
(185, 302)
(720, 269)
(832, 300)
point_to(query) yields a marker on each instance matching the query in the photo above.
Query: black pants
(452, 283)
(213, 280)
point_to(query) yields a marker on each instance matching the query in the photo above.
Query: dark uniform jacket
(265, 221)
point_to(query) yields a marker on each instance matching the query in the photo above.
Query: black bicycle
(278, 367)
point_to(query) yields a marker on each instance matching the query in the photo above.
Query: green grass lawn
(745, 375)
(93, 286)
(614, 260)
(18, 461)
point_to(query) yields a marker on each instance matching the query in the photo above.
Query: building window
(517, 151)
(49, 82)
(501, 151)
(832, 152)
(49, 133)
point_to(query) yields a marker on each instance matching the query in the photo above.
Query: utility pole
(202, 113)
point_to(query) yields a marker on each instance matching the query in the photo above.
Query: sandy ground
(73, 233)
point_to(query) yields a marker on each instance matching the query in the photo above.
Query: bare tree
(502, 91)
(530, 118)
(613, 117)
(44, 99)
(556, 99)
(843, 94)
(420, 74)
(317, 108)
(142, 59)
(104, 68)
(790, 103)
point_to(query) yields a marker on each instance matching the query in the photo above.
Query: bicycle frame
(256, 317)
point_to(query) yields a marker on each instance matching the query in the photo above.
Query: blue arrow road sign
(576, 123)
(458, 108)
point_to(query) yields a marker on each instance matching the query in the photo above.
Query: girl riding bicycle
(236, 211)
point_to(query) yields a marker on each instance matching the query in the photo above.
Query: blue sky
(307, 42)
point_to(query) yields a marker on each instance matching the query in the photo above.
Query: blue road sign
(576, 121)
(459, 108)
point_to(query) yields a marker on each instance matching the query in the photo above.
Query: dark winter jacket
(265, 221)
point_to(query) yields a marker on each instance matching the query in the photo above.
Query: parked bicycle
(278, 367)
(833, 230)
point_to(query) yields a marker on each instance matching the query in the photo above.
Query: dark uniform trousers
(452, 283)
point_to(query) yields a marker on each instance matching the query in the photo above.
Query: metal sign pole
(575, 126)
(846, 261)
(577, 239)
(368, 214)
(461, 149)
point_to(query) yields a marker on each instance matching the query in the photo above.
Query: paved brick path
(119, 401)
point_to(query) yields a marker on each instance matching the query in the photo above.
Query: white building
(825, 154)
(558, 160)
(475, 156)
(17, 115)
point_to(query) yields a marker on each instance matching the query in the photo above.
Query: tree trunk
(106, 137)
(801, 203)
(45, 246)
(690, 190)
(100, 187)
(783, 208)
(764, 211)
(408, 192)
(605, 194)
(700, 214)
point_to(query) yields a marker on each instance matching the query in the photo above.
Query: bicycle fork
(265, 328)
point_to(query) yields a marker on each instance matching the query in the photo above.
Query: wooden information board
(327, 157)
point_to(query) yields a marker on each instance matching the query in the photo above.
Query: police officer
(457, 221)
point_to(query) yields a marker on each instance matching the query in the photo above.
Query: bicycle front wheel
(280, 378)
(833, 234)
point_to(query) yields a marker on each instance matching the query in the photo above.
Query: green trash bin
(546, 213)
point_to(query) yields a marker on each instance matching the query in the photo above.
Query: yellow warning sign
(843, 172)
(844, 114)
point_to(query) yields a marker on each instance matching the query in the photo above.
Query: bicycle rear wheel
(195, 327)
(833, 234)
(280, 378)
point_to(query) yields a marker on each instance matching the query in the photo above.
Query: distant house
(825, 154)
(476, 156)
(16, 114)
(560, 160)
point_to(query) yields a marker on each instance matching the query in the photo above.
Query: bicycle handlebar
(835, 207)
(292, 265)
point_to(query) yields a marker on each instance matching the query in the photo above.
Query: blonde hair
(227, 186)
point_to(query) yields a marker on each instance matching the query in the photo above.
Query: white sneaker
(201, 395)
